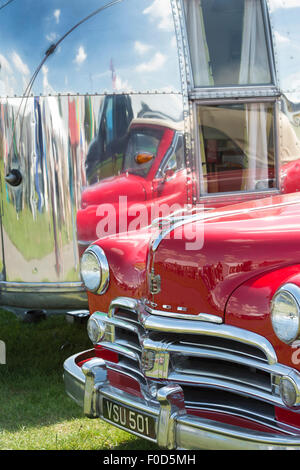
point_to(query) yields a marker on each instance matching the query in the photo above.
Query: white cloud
(292, 82)
(280, 38)
(19, 64)
(121, 85)
(160, 12)
(155, 63)
(7, 81)
(80, 56)
(45, 77)
(276, 4)
(47, 88)
(141, 48)
(56, 15)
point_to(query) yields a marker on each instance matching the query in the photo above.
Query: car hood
(202, 259)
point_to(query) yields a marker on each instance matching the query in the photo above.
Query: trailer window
(227, 42)
(237, 147)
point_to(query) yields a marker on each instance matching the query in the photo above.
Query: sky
(285, 18)
(129, 46)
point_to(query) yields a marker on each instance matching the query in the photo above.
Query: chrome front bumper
(175, 429)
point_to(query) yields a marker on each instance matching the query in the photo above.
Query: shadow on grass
(139, 444)
(31, 385)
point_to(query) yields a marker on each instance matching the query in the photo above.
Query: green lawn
(35, 412)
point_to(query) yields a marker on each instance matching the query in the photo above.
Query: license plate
(134, 421)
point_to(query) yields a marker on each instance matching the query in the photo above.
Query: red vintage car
(195, 325)
(154, 173)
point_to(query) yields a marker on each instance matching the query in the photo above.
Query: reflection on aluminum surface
(64, 120)
(60, 146)
(109, 110)
(284, 17)
(122, 48)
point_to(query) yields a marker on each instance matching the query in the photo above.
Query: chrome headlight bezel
(101, 279)
(286, 328)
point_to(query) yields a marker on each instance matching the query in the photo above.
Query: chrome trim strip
(208, 216)
(186, 80)
(270, 43)
(122, 302)
(41, 286)
(171, 401)
(213, 435)
(250, 391)
(127, 325)
(199, 352)
(207, 317)
(134, 374)
(120, 349)
(169, 325)
(95, 376)
(242, 93)
(213, 197)
(74, 379)
(252, 416)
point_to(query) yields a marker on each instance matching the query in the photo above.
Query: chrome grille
(219, 367)
(221, 370)
(226, 346)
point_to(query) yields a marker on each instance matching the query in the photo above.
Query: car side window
(175, 161)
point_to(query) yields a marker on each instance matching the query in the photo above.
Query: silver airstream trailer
(74, 75)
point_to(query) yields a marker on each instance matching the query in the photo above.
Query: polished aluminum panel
(49, 146)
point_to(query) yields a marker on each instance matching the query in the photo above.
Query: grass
(35, 412)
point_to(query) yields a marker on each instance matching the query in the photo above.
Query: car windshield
(145, 140)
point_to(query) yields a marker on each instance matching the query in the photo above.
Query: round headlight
(288, 391)
(285, 313)
(94, 269)
(95, 328)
